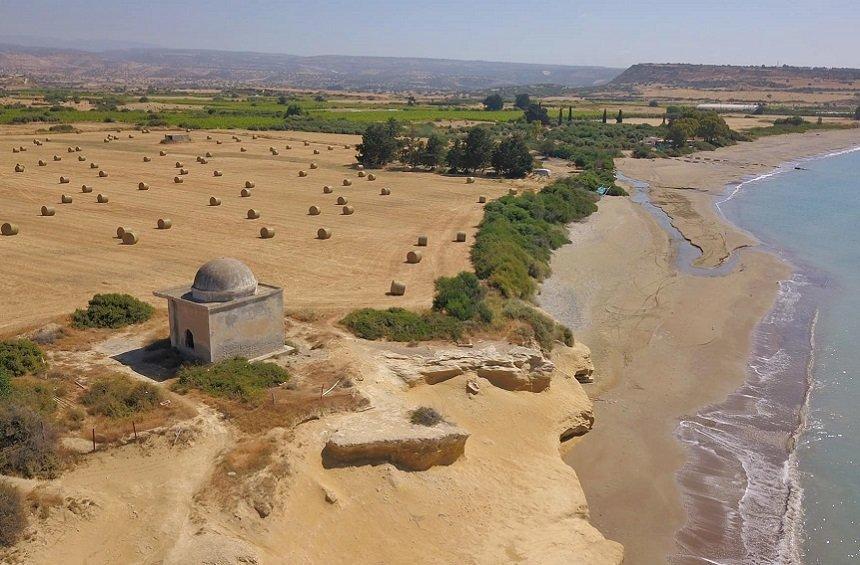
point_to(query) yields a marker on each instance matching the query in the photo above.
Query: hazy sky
(610, 33)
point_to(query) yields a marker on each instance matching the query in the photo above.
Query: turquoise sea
(774, 471)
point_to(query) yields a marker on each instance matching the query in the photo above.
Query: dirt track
(57, 263)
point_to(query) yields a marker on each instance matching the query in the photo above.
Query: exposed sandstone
(375, 439)
(574, 362)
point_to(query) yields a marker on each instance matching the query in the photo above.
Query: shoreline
(657, 365)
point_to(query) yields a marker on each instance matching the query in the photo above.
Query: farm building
(225, 313)
(176, 138)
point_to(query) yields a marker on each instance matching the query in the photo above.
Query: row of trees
(478, 150)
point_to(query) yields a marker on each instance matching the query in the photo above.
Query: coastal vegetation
(236, 378)
(18, 357)
(119, 396)
(13, 519)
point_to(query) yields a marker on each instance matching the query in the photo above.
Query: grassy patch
(790, 125)
(236, 378)
(120, 396)
(112, 311)
(539, 327)
(19, 357)
(425, 416)
(397, 324)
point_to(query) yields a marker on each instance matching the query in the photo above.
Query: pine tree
(604, 116)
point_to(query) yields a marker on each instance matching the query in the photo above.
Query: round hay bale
(361, 174)
(324, 233)
(86, 188)
(249, 184)
(214, 201)
(102, 173)
(9, 229)
(314, 211)
(120, 231)
(341, 200)
(178, 165)
(414, 257)
(303, 173)
(288, 146)
(327, 189)
(482, 199)
(48, 211)
(94, 165)
(129, 238)
(253, 136)
(245, 193)
(253, 214)
(307, 143)
(208, 154)
(142, 186)
(347, 182)
(147, 159)
(77, 147)
(242, 149)
(347, 210)
(470, 180)
(162, 153)
(275, 152)
(57, 158)
(461, 236)
(346, 146)
(19, 168)
(204, 161)
(106, 140)
(64, 180)
(144, 131)
(183, 171)
(130, 136)
(316, 151)
(209, 138)
(359, 167)
(385, 192)
(397, 288)
(177, 180)
(65, 199)
(102, 198)
(330, 148)
(218, 142)
(422, 241)
(218, 173)
(271, 148)
(22, 149)
(313, 165)
(512, 191)
(165, 223)
(15, 150)
(82, 158)
(42, 163)
(199, 159)
(267, 233)
(371, 176)
(70, 149)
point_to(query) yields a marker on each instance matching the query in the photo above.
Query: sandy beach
(665, 342)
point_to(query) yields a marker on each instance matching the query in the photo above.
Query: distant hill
(206, 68)
(737, 77)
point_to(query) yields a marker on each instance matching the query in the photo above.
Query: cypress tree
(559, 116)
(604, 115)
(619, 118)
(569, 114)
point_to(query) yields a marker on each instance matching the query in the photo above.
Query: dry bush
(29, 443)
(425, 416)
(13, 520)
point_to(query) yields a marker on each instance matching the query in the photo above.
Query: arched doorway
(189, 339)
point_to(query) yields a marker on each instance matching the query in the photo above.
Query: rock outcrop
(375, 439)
(517, 368)
(574, 362)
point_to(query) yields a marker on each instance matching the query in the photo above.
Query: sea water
(789, 439)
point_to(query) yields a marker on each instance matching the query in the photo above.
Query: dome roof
(223, 279)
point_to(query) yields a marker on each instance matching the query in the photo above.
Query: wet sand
(665, 342)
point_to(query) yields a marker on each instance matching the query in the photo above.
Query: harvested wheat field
(56, 263)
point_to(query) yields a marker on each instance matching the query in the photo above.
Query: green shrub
(13, 520)
(545, 330)
(18, 357)
(120, 396)
(112, 311)
(29, 443)
(462, 296)
(235, 378)
(397, 324)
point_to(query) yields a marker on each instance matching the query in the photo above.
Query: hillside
(207, 68)
(738, 78)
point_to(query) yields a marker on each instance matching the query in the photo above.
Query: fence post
(135, 430)
(94, 439)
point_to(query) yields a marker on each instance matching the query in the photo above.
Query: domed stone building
(225, 313)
